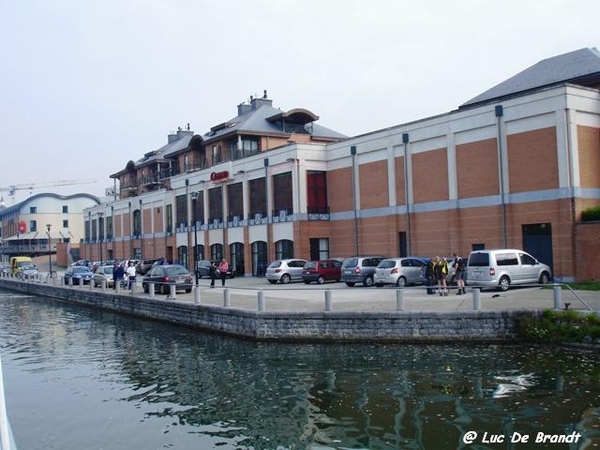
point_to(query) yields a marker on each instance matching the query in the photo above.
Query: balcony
(235, 220)
(257, 218)
(283, 215)
(318, 213)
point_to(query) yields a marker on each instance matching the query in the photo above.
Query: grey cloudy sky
(86, 86)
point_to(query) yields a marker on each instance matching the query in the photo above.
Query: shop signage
(219, 176)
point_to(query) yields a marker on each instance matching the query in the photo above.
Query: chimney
(258, 102)
(243, 108)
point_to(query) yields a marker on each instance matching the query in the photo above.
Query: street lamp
(100, 234)
(195, 207)
(48, 225)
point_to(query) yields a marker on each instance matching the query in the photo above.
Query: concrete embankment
(385, 326)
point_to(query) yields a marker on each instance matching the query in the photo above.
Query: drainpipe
(354, 200)
(499, 113)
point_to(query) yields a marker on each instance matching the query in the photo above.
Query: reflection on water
(78, 378)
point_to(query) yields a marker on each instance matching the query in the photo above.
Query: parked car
(500, 268)
(82, 262)
(104, 273)
(144, 265)
(203, 268)
(360, 269)
(78, 275)
(27, 270)
(322, 270)
(167, 274)
(285, 270)
(400, 271)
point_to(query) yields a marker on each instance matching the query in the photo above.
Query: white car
(400, 272)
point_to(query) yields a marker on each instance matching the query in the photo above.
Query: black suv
(360, 269)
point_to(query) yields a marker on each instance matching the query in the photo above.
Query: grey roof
(255, 122)
(563, 68)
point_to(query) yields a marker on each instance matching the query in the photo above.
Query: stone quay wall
(392, 326)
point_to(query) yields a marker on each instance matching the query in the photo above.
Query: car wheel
(401, 282)
(272, 281)
(285, 278)
(164, 289)
(306, 282)
(544, 278)
(368, 282)
(379, 285)
(188, 290)
(320, 280)
(146, 288)
(350, 284)
(504, 283)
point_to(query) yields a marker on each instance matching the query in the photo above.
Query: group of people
(124, 274)
(437, 274)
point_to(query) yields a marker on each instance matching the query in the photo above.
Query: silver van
(500, 268)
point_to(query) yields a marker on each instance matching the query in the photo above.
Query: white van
(502, 267)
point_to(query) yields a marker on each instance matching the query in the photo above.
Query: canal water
(78, 378)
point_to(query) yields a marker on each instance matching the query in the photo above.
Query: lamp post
(195, 208)
(100, 234)
(48, 225)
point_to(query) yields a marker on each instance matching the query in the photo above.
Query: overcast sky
(88, 85)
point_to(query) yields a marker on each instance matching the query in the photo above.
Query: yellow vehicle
(16, 262)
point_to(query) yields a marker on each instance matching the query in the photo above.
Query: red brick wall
(430, 176)
(339, 189)
(588, 141)
(374, 192)
(477, 169)
(587, 246)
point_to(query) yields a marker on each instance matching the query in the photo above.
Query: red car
(322, 271)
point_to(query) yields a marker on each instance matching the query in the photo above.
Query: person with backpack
(441, 271)
(459, 276)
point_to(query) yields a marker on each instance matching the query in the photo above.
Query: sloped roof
(256, 122)
(580, 66)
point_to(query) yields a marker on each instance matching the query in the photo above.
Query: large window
(236, 250)
(258, 197)
(215, 204)
(181, 211)
(243, 147)
(109, 227)
(282, 192)
(319, 248)
(284, 249)
(182, 255)
(137, 222)
(259, 258)
(235, 200)
(316, 188)
(32, 225)
(216, 252)
(169, 218)
(198, 213)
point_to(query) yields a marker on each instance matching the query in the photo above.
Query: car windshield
(479, 260)
(310, 265)
(350, 262)
(80, 269)
(28, 267)
(108, 270)
(275, 264)
(176, 270)
(386, 264)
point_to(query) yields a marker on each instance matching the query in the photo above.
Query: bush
(560, 326)
(590, 214)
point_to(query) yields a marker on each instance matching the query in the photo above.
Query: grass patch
(579, 286)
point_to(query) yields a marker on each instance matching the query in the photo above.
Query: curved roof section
(296, 115)
(20, 205)
(580, 67)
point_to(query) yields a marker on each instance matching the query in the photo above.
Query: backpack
(460, 264)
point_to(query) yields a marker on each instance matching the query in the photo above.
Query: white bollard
(261, 300)
(399, 299)
(103, 285)
(172, 291)
(476, 299)
(226, 299)
(197, 298)
(558, 304)
(118, 286)
(328, 304)
(92, 284)
(151, 290)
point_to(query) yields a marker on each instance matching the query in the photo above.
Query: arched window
(216, 252)
(259, 258)
(284, 249)
(236, 250)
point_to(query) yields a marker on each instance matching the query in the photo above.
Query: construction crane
(31, 186)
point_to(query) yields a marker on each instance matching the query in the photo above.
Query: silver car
(400, 272)
(285, 270)
(501, 268)
(104, 273)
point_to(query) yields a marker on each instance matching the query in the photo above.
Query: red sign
(219, 176)
(22, 227)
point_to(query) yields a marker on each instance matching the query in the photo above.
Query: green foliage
(560, 326)
(590, 214)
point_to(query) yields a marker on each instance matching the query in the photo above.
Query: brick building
(512, 167)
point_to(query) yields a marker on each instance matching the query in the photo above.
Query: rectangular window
(87, 231)
(283, 192)
(65, 224)
(319, 248)
(181, 211)
(316, 191)
(235, 200)
(258, 198)
(199, 209)
(65, 209)
(243, 147)
(100, 228)
(109, 227)
(33, 210)
(94, 230)
(215, 204)
(33, 225)
(169, 218)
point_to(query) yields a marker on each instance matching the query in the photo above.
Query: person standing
(441, 271)
(130, 275)
(430, 276)
(223, 269)
(119, 274)
(212, 271)
(459, 275)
